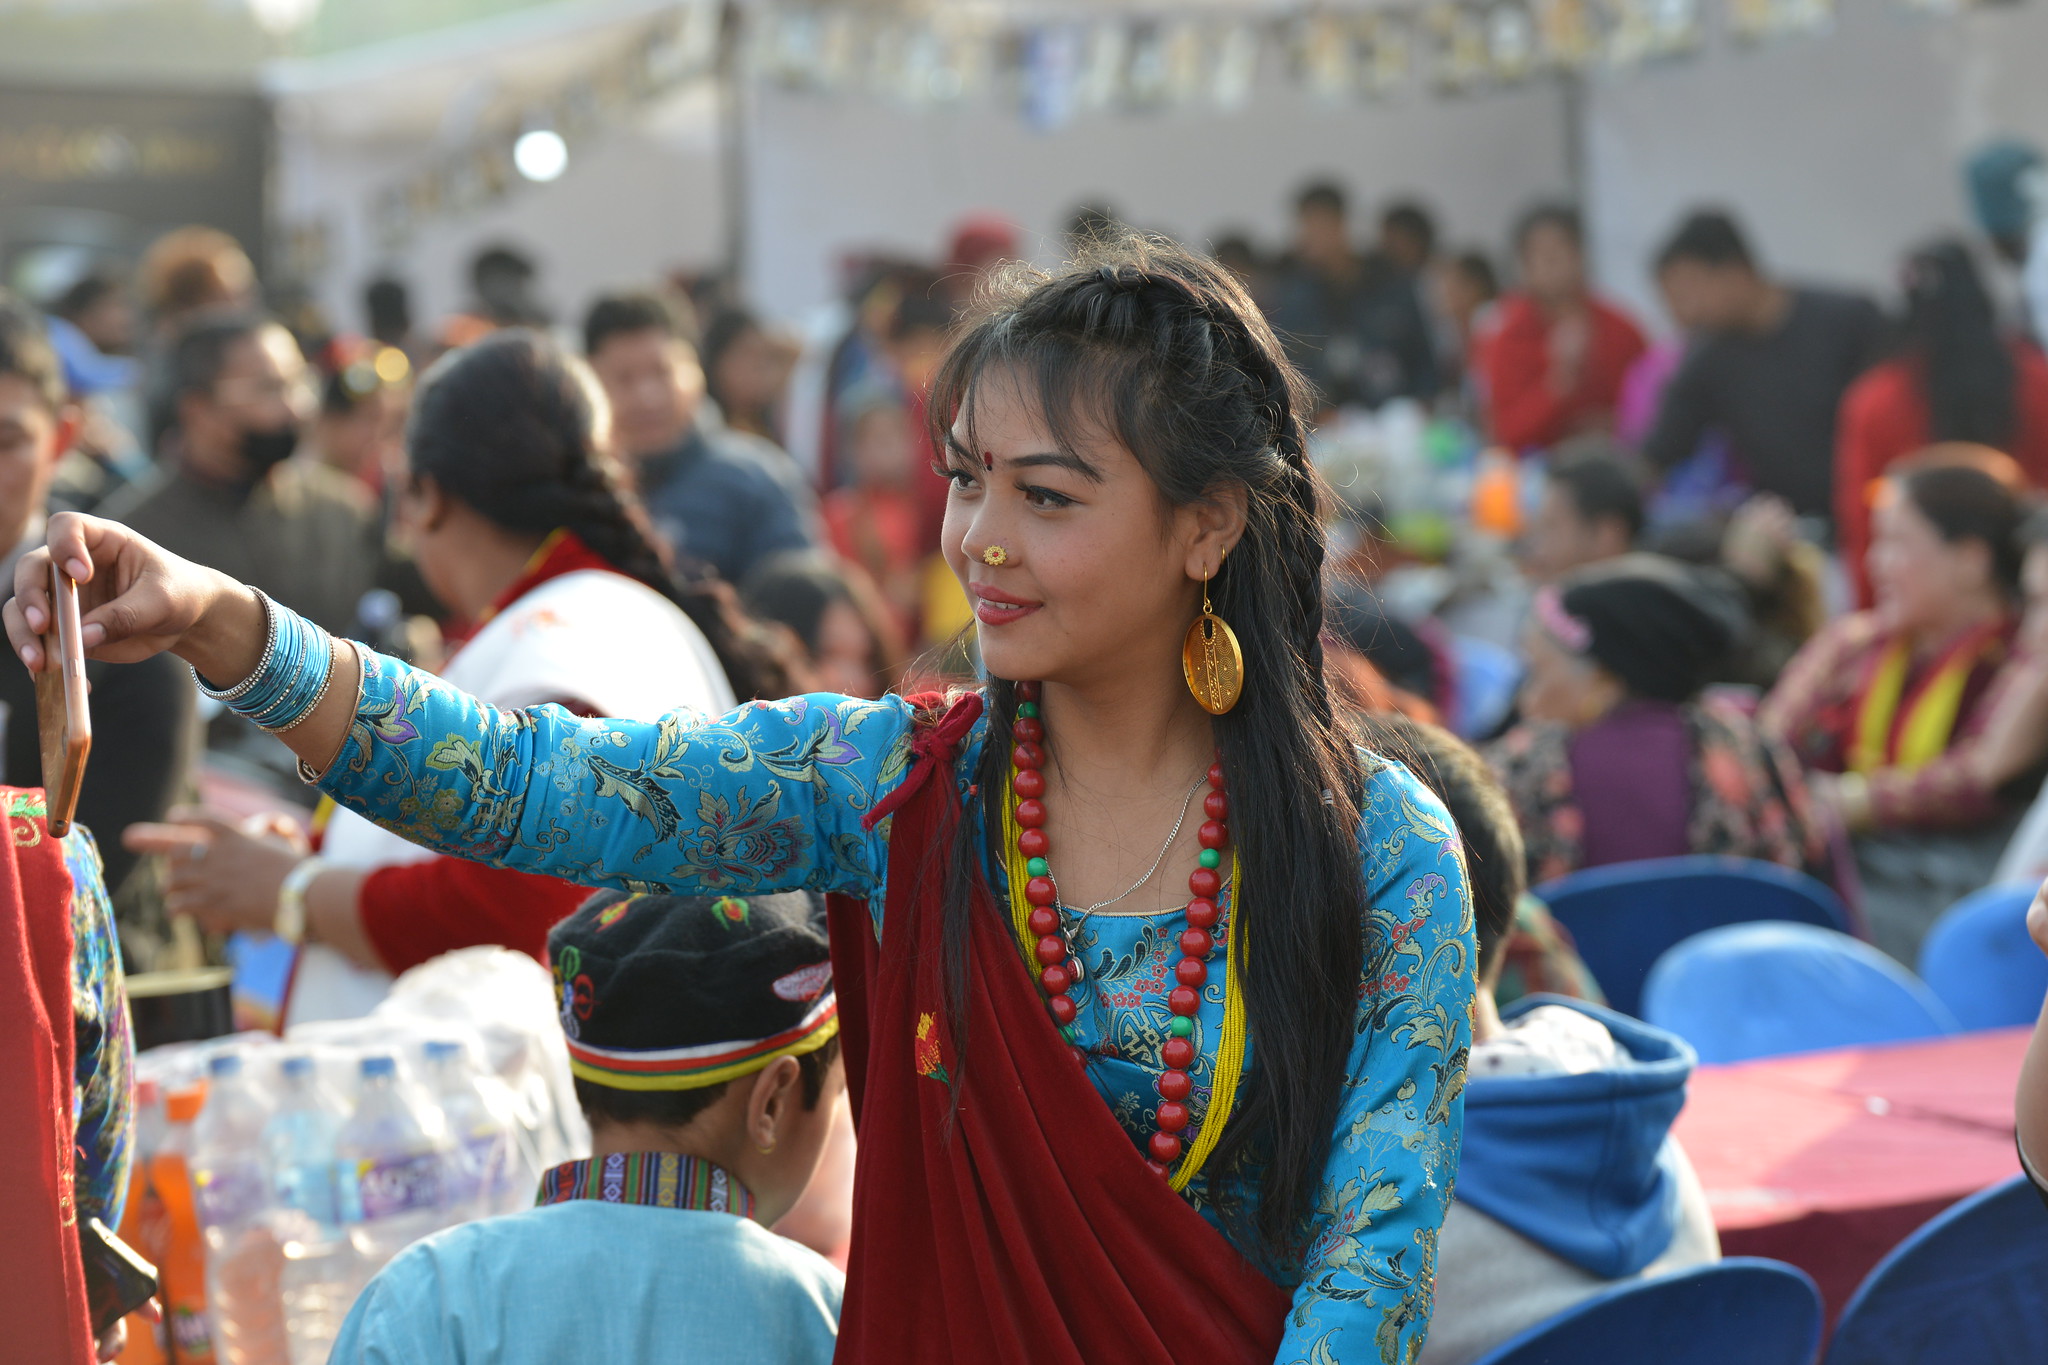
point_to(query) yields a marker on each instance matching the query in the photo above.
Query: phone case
(62, 719)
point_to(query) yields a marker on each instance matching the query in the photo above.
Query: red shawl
(1026, 1229)
(42, 1283)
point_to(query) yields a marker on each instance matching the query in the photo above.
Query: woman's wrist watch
(290, 923)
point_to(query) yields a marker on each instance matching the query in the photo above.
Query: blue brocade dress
(770, 798)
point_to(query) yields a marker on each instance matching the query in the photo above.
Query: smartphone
(64, 723)
(117, 1280)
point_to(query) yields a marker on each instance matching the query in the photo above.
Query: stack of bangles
(290, 679)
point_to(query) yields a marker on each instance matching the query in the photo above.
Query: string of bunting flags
(1054, 61)
(1055, 67)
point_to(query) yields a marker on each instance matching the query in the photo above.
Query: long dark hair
(1968, 375)
(1166, 352)
(509, 426)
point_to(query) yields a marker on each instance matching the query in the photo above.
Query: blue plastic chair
(1970, 1285)
(1743, 1309)
(1625, 915)
(1765, 990)
(1981, 963)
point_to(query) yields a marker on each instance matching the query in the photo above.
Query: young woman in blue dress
(1155, 986)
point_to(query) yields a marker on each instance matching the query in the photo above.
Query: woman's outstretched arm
(769, 798)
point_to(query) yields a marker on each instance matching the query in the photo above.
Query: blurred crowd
(1787, 554)
(1775, 586)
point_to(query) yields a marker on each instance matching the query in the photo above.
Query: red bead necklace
(1058, 971)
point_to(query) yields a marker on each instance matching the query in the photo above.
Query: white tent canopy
(1839, 149)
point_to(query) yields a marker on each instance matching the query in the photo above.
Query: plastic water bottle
(394, 1159)
(320, 1277)
(243, 1261)
(480, 1169)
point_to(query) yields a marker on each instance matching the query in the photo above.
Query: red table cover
(1829, 1159)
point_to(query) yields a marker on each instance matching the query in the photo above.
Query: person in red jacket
(1555, 358)
(1958, 380)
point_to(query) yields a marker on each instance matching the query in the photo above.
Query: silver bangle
(243, 688)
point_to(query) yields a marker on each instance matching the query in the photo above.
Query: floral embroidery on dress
(925, 1051)
(26, 811)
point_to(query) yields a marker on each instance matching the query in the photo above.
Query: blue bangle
(293, 679)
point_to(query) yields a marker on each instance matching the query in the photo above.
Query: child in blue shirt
(703, 1034)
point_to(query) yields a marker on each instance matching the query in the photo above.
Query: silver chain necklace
(1164, 849)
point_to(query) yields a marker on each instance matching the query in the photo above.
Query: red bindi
(988, 461)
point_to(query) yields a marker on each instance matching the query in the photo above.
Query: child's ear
(778, 1093)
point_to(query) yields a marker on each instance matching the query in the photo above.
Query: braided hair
(1166, 352)
(510, 426)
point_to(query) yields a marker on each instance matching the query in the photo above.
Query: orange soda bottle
(181, 1260)
(1497, 494)
(143, 1223)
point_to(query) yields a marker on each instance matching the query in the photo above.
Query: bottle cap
(439, 1049)
(184, 1105)
(380, 1064)
(224, 1064)
(298, 1064)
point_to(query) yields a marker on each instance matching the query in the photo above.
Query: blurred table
(1829, 1159)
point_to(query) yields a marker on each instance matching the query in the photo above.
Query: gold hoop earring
(995, 556)
(1211, 659)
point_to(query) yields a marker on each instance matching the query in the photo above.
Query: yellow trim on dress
(1931, 716)
(1230, 1048)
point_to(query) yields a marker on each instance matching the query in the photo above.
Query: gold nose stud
(995, 556)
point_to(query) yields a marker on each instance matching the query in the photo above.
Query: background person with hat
(1618, 756)
(704, 1037)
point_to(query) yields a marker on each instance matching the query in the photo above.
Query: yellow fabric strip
(1874, 715)
(1229, 1052)
(1931, 716)
(1932, 721)
(697, 1080)
(1230, 1048)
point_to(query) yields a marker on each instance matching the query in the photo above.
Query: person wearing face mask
(233, 398)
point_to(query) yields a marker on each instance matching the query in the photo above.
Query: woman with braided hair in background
(1135, 1081)
(520, 525)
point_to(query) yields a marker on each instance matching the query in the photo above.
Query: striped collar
(663, 1180)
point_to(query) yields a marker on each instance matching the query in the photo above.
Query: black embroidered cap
(679, 992)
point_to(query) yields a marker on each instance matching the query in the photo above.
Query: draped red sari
(1025, 1227)
(43, 1314)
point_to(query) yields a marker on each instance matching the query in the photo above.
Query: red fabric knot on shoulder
(932, 745)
